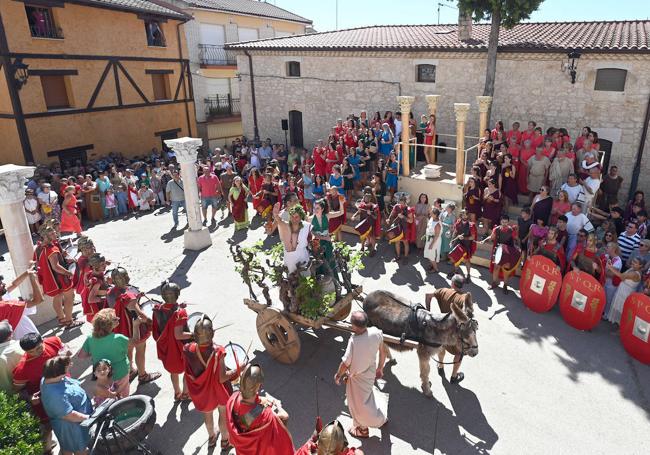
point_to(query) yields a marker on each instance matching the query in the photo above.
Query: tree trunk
(491, 69)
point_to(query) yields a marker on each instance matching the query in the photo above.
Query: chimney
(464, 26)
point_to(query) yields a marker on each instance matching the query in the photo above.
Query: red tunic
(122, 298)
(12, 311)
(320, 166)
(517, 134)
(79, 274)
(170, 350)
(202, 376)
(29, 371)
(92, 308)
(264, 435)
(335, 204)
(255, 185)
(52, 282)
(331, 155)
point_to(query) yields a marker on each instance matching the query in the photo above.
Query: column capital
(484, 103)
(461, 110)
(405, 103)
(12, 182)
(185, 148)
(432, 101)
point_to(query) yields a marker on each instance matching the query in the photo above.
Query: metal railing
(221, 106)
(213, 54)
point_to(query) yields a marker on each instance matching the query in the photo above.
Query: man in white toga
(359, 369)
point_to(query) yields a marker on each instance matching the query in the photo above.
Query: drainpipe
(189, 76)
(256, 131)
(639, 154)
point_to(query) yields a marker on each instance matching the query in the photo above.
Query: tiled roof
(615, 36)
(254, 8)
(138, 6)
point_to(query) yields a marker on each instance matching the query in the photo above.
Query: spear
(319, 421)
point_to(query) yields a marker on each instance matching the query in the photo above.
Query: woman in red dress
(430, 139)
(336, 213)
(580, 141)
(331, 158)
(538, 138)
(238, 205)
(472, 200)
(498, 127)
(70, 212)
(255, 182)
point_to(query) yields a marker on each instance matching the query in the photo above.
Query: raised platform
(444, 187)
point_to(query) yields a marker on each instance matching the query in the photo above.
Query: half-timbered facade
(82, 78)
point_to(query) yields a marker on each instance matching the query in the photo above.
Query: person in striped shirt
(629, 240)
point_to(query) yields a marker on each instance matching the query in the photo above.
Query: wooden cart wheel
(278, 335)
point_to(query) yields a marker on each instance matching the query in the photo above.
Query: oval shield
(540, 283)
(582, 300)
(635, 327)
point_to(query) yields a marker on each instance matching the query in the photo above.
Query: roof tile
(633, 36)
(255, 8)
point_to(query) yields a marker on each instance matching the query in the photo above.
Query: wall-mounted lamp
(21, 73)
(572, 64)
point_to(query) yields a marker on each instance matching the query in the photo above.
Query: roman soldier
(552, 248)
(335, 212)
(368, 214)
(170, 330)
(54, 276)
(134, 324)
(93, 297)
(465, 235)
(208, 380)
(586, 259)
(86, 247)
(403, 216)
(330, 441)
(14, 310)
(256, 425)
(503, 244)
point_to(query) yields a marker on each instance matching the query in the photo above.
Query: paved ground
(536, 387)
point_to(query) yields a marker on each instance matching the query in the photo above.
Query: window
(155, 36)
(610, 80)
(247, 34)
(426, 73)
(293, 69)
(160, 84)
(41, 23)
(55, 92)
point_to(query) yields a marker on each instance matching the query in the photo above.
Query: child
(122, 200)
(105, 387)
(524, 222)
(538, 233)
(562, 234)
(31, 210)
(132, 196)
(111, 204)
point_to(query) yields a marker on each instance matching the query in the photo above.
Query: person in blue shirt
(336, 179)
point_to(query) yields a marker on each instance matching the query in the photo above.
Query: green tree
(506, 13)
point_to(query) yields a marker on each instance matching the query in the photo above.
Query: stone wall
(529, 87)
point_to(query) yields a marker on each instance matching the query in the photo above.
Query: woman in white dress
(629, 283)
(434, 239)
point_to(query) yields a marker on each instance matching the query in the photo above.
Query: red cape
(170, 350)
(12, 311)
(266, 436)
(206, 391)
(126, 323)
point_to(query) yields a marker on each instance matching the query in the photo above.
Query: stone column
(405, 103)
(484, 103)
(14, 220)
(186, 148)
(461, 110)
(432, 101)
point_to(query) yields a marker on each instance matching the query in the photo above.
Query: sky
(359, 13)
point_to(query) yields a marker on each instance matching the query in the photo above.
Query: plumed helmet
(331, 440)
(204, 330)
(96, 260)
(251, 381)
(85, 245)
(120, 277)
(170, 291)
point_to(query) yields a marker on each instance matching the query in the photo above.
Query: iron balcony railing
(213, 54)
(221, 106)
(42, 25)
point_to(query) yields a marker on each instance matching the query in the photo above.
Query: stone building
(214, 70)
(341, 72)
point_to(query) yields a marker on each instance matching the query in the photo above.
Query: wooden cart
(276, 330)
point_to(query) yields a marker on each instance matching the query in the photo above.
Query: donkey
(398, 317)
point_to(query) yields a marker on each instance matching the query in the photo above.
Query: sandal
(72, 324)
(225, 445)
(148, 377)
(133, 374)
(441, 371)
(186, 397)
(358, 432)
(212, 441)
(178, 397)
